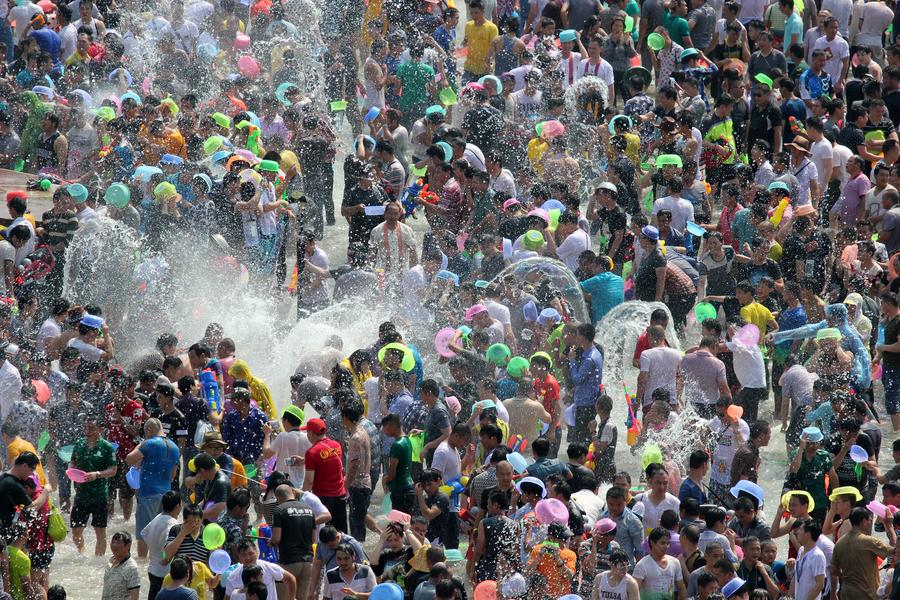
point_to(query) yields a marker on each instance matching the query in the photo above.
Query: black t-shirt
(485, 494)
(890, 360)
(298, 524)
(815, 260)
(483, 125)
(12, 495)
(362, 225)
(174, 424)
(582, 477)
(217, 489)
(645, 283)
(492, 266)
(388, 559)
(609, 222)
(892, 100)
(753, 273)
(763, 123)
(512, 228)
(438, 526)
(194, 410)
(851, 136)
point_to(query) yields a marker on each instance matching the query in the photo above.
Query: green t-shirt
(811, 475)
(415, 77)
(19, 568)
(402, 451)
(99, 458)
(633, 10)
(678, 27)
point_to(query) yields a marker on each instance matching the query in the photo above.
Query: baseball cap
(317, 426)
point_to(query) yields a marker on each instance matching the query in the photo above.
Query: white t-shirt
(505, 182)
(603, 70)
(840, 10)
(657, 581)
(822, 151)
(809, 566)
(88, 351)
(414, 281)
(286, 445)
(653, 512)
(841, 155)
(873, 200)
(28, 247)
(720, 29)
(495, 333)
(750, 10)
(875, 20)
(661, 365)
(577, 242)
(446, 461)
(519, 75)
(272, 574)
(836, 50)
(570, 68)
(68, 38)
(20, 16)
(805, 173)
(748, 365)
(318, 294)
(725, 448)
(590, 504)
(7, 254)
(497, 311)
(49, 330)
(155, 535)
(682, 210)
(528, 108)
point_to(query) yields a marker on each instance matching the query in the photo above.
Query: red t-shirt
(643, 343)
(132, 413)
(547, 391)
(325, 459)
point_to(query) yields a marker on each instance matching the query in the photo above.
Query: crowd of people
(511, 175)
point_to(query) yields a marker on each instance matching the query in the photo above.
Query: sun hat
(688, 52)
(533, 481)
(269, 166)
(804, 210)
(568, 35)
(650, 232)
(778, 185)
(474, 310)
(607, 186)
(829, 333)
(92, 321)
(800, 143)
(604, 526)
(734, 587)
(510, 203)
(845, 490)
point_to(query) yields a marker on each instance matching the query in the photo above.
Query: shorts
(41, 559)
(97, 511)
(890, 378)
(118, 482)
(147, 509)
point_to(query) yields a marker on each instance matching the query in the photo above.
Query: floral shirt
(244, 436)
(668, 62)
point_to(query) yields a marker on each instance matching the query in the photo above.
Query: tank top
(608, 592)
(505, 59)
(46, 157)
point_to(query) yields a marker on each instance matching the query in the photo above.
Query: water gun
(797, 127)
(104, 152)
(776, 217)
(632, 422)
(426, 196)
(209, 389)
(517, 443)
(454, 488)
(409, 205)
(264, 534)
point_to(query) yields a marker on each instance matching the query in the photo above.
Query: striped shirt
(191, 548)
(363, 580)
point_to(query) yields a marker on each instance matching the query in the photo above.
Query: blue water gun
(209, 389)
(411, 192)
(266, 552)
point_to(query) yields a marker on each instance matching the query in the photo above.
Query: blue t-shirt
(607, 291)
(793, 25)
(179, 593)
(160, 457)
(689, 489)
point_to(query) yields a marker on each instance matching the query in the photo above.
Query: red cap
(20, 194)
(317, 426)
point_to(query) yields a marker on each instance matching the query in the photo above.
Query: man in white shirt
(52, 327)
(288, 446)
(660, 368)
(822, 153)
(840, 10)
(248, 556)
(155, 535)
(682, 210)
(502, 180)
(68, 33)
(10, 384)
(837, 54)
(809, 570)
(499, 312)
(575, 241)
(19, 18)
(446, 459)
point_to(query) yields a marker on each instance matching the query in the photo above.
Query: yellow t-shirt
(478, 41)
(757, 314)
(17, 447)
(201, 574)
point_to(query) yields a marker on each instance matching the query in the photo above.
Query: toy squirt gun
(631, 423)
(419, 190)
(209, 389)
